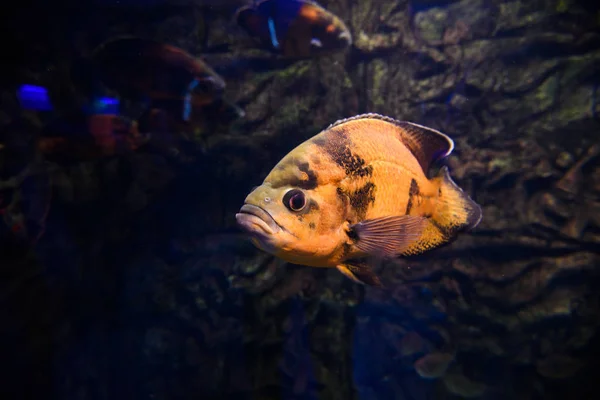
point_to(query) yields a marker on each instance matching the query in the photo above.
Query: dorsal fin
(426, 144)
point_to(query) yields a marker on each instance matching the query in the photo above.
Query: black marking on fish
(293, 179)
(312, 226)
(312, 206)
(346, 249)
(311, 183)
(352, 234)
(446, 232)
(342, 195)
(320, 141)
(353, 165)
(338, 148)
(426, 150)
(413, 191)
(362, 198)
(344, 198)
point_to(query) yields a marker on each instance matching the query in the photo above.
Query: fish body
(357, 190)
(83, 137)
(294, 28)
(162, 74)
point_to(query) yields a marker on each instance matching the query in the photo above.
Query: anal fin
(360, 273)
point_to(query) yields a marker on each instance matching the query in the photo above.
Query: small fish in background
(25, 187)
(359, 190)
(94, 131)
(294, 28)
(82, 137)
(158, 74)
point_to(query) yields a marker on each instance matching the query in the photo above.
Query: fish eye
(295, 200)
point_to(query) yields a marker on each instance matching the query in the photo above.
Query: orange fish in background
(82, 137)
(161, 75)
(357, 190)
(27, 193)
(93, 130)
(294, 28)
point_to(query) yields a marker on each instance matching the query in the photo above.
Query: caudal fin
(455, 211)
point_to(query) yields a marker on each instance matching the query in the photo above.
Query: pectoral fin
(360, 273)
(388, 236)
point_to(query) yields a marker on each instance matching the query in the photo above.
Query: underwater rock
(460, 385)
(412, 343)
(558, 366)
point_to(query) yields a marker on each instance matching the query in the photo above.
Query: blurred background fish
(94, 130)
(42, 134)
(154, 75)
(82, 137)
(294, 28)
(25, 191)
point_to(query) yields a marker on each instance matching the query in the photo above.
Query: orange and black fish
(294, 28)
(165, 76)
(357, 190)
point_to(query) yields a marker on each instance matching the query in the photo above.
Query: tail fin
(455, 211)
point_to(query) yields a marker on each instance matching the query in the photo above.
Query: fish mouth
(251, 217)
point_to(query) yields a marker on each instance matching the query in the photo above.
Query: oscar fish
(359, 190)
(294, 28)
(164, 75)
